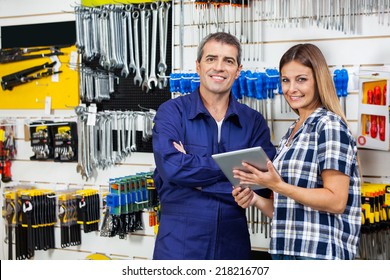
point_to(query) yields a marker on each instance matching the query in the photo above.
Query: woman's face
(299, 87)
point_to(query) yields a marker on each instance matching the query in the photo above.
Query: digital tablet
(233, 160)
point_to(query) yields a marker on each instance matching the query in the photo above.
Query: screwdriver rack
(373, 122)
(375, 232)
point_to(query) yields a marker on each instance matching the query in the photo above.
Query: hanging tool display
(127, 198)
(19, 54)
(373, 114)
(111, 35)
(88, 209)
(375, 232)
(41, 140)
(65, 141)
(37, 221)
(340, 79)
(67, 214)
(18, 78)
(110, 138)
(54, 140)
(7, 150)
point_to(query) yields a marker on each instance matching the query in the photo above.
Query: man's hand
(179, 147)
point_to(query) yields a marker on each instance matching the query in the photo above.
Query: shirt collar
(200, 109)
(315, 115)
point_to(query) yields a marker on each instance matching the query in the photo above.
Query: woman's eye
(302, 79)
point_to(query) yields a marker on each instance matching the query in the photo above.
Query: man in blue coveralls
(199, 217)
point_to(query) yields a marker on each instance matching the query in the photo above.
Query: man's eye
(210, 59)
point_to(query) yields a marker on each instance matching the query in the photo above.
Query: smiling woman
(317, 194)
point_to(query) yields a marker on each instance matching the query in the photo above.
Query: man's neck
(217, 105)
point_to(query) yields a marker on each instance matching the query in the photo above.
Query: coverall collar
(200, 109)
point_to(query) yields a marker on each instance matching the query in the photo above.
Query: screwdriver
(344, 88)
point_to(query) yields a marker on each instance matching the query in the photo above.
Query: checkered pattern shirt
(323, 142)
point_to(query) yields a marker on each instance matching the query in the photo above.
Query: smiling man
(199, 217)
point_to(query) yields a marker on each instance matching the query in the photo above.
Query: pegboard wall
(132, 39)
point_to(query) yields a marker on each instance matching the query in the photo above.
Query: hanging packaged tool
(88, 209)
(65, 142)
(7, 152)
(38, 219)
(70, 229)
(41, 141)
(18, 54)
(8, 82)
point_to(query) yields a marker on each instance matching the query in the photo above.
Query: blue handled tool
(344, 87)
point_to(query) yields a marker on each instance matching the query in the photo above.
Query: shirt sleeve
(189, 170)
(336, 148)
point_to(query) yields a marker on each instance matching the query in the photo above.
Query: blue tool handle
(250, 83)
(243, 86)
(337, 81)
(344, 82)
(236, 90)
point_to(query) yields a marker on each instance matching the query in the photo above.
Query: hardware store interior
(62, 82)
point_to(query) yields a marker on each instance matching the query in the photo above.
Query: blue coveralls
(199, 217)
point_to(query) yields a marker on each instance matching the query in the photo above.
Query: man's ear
(238, 71)
(197, 66)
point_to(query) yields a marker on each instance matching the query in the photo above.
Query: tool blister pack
(373, 119)
(54, 141)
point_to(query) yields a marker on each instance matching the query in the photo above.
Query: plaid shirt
(323, 142)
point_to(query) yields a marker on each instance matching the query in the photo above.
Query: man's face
(218, 68)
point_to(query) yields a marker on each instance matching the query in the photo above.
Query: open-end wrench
(163, 81)
(134, 132)
(105, 55)
(162, 66)
(145, 85)
(152, 76)
(129, 9)
(143, 37)
(125, 68)
(138, 77)
(129, 119)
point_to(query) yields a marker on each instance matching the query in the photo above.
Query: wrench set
(31, 216)
(110, 139)
(109, 35)
(57, 141)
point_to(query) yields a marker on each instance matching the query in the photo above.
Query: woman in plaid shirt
(316, 209)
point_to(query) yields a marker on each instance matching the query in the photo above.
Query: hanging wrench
(145, 85)
(129, 9)
(163, 81)
(143, 37)
(162, 66)
(125, 70)
(138, 77)
(152, 76)
(134, 132)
